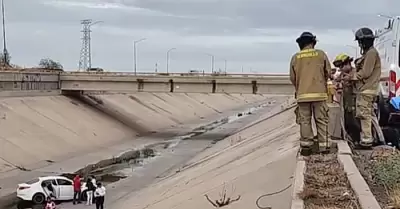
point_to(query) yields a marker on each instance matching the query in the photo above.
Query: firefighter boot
(366, 142)
(306, 151)
(324, 147)
(306, 147)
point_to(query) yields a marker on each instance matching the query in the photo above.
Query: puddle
(106, 171)
(248, 112)
(228, 119)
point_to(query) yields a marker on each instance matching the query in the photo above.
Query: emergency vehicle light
(392, 84)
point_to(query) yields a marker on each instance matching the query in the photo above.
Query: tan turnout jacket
(368, 72)
(309, 73)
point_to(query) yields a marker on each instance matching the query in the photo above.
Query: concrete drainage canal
(111, 170)
(115, 169)
(170, 153)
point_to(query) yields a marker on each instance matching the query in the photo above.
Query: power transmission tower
(85, 60)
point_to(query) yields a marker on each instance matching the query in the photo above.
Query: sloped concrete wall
(34, 131)
(155, 111)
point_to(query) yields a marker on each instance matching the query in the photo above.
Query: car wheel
(38, 198)
(84, 195)
(383, 110)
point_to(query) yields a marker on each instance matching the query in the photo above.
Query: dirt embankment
(326, 185)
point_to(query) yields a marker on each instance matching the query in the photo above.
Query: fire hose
(270, 194)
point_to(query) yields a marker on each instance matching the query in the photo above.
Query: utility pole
(225, 66)
(169, 50)
(134, 53)
(212, 62)
(355, 48)
(6, 60)
(85, 60)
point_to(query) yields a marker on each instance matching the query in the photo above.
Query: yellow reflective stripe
(306, 143)
(312, 95)
(324, 144)
(369, 91)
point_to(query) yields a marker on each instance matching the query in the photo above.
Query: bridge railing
(177, 74)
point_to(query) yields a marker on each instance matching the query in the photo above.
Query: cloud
(253, 34)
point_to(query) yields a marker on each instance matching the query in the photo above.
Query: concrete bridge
(25, 83)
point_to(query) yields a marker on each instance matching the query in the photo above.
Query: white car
(36, 191)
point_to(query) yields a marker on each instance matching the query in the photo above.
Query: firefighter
(309, 73)
(366, 77)
(348, 98)
(343, 62)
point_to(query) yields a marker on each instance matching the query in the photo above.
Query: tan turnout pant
(364, 108)
(308, 111)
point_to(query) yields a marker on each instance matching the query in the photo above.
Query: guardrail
(177, 74)
(33, 80)
(45, 71)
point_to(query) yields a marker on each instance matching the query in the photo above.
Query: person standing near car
(89, 192)
(93, 180)
(77, 190)
(94, 185)
(100, 194)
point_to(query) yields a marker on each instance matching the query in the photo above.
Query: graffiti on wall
(28, 81)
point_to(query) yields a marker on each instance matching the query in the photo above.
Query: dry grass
(328, 207)
(381, 169)
(394, 197)
(326, 185)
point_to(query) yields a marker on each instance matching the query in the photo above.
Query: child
(50, 204)
(100, 195)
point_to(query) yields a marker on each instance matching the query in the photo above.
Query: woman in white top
(100, 193)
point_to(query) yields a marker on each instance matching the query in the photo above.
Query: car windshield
(32, 181)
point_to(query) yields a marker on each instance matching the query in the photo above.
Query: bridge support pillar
(254, 86)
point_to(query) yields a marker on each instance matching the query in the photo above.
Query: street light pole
(385, 16)
(225, 66)
(212, 62)
(169, 50)
(355, 48)
(134, 54)
(5, 52)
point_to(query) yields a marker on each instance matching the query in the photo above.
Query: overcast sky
(256, 34)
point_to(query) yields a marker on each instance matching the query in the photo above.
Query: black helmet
(306, 35)
(364, 33)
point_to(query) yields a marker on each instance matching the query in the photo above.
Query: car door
(51, 187)
(66, 189)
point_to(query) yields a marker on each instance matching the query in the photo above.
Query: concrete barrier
(41, 82)
(189, 84)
